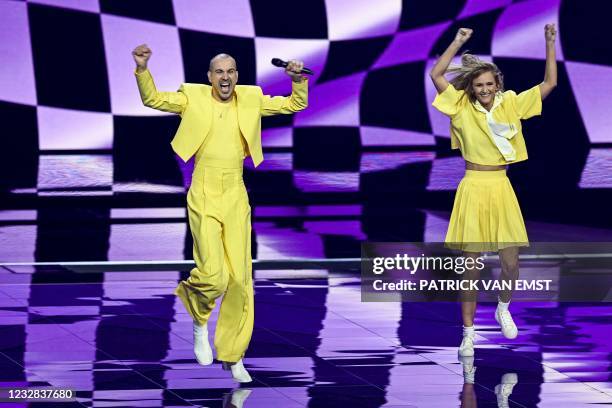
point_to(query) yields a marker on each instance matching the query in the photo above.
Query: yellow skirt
(486, 214)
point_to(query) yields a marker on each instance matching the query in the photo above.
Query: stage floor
(123, 340)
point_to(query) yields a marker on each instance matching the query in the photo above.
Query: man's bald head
(223, 76)
(220, 57)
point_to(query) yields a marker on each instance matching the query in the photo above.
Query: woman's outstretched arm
(438, 70)
(550, 76)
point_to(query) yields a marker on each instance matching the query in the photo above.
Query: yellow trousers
(220, 221)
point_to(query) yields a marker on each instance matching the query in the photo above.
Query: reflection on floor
(279, 232)
(124, 340)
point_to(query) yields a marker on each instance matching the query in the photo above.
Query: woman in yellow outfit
(220, 125)
(486, 127)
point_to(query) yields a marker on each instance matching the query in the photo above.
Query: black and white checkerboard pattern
(69, 84)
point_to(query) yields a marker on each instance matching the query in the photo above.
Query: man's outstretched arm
(297, 101)
(174, 102)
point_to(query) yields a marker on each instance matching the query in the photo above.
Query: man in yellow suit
(220, 125)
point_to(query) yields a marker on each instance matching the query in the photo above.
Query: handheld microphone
(277, 62)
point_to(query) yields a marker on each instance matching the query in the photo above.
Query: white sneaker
(466, 349)
(469, 371)
(236, 398)
(504, 318)
(503, 390)
(239, 373)
(201, 346)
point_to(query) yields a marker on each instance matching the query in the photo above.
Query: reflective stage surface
(122, 339)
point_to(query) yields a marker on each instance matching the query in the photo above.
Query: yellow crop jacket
(193, 103)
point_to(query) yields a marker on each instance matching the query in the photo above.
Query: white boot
(503, 390)
(201, 346)
(239, 373)
(504, 318)
(469, 371)
(237, 398)
(466, 349)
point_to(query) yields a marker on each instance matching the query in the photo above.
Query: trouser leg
(208, 280)
(236, 316)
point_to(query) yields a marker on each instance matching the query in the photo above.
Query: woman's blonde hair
(472, 67)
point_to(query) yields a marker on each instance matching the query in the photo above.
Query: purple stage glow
(375, 136)
(18, 215)
(233, 18)
(473, 7)
(375, 162)
(277, 137)
(127, 241)
(313, 181)
(598, 168)
(436, 225)
(59, 173)
(347, 228)
(273, 162)
(334, 103)
(410, 46)
(446, 173)
(280, 242)
(65, 129)
(18, 242)
(149, 213)
(17, 83)
(152, 188)
(121, 35)
(306, 211)
(593, 99)
(381, 20)
(519, 32)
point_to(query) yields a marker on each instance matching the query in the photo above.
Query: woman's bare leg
(469, 297)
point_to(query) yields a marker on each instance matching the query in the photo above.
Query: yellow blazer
(193, 103)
